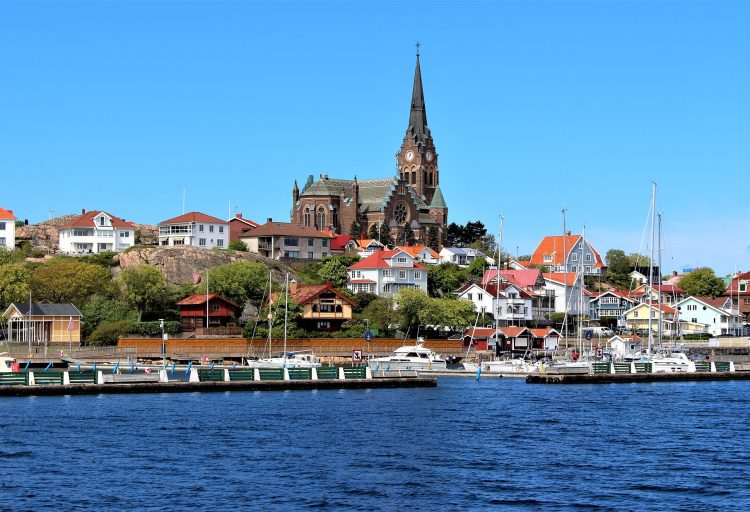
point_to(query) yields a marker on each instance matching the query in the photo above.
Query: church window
(307, 215)
(424, 176)
(399, 213)
(335, 218)
(321, 224)
(414, 178)
(431, 178)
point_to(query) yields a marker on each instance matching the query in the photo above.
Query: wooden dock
(615, 378)
(192, 387)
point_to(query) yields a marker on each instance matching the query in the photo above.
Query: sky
(533, 106)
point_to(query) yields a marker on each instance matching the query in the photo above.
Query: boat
(410, 357)
(6, 363)
(676, 362)
(569, 368)
(301, 359)
(510, 366)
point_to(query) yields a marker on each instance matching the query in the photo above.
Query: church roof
(438, 201)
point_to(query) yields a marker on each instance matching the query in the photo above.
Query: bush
(237, 245)
(154, 328)
(697, 336)
(108, 332)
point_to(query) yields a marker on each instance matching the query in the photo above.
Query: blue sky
(533, 105)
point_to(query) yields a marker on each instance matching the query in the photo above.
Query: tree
(476, 268)
(237, 281)
(14, 284)
(412, 304)
(65, 280)
(237, 245)
(444, 279)
(465, 235)
(618, 268)
(335, 271)
(355, 230)
(451, 314)
(381, 315)
(455, 235)
(145, 287)
(385, 235)
(373, 233)
(108, 332)
(105, 309)
(702, 282)
(13, 255)
(407, 237)
(433, 238)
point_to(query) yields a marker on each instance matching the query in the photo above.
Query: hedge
(154, 328)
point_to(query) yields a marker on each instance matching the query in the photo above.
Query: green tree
(445, 279)
(381, 315)
(618, 268)
(237, 281)
(12, 255)
(65, 280)
(476, 268)
(105, 309)
(145, 287)
(107, 332)
(355, 230)
(412, 305)
(433, 239)
(373, 233)
(702, 282)
(385, 235)
(451, 314)
(14, 284)
(408, 237)
(237, 245)
(335, 271)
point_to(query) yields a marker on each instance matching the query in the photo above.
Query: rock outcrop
(178, 264)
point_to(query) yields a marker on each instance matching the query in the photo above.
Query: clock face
(409, 156)
(428, 156)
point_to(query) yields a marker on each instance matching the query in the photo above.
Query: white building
(7, 229)
(509, 305)
(718, 316)
(462, 256)
(96, 231)
(567, 292)
(385, 272)
(196, 229)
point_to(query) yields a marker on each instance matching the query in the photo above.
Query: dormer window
(101, 221)
(548, 259)
(743, 286)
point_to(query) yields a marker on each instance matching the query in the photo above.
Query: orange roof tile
(194, 217)
(554, 245)
(6, 214)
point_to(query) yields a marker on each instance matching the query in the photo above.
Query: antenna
(183, 200)
(49, 213)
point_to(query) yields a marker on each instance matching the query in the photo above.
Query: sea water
(465, 445)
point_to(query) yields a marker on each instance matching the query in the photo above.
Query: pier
(617, 378)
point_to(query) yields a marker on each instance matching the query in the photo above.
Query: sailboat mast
(286, 309)
(658, 297)
(270, 312)
(580, 291)
(497, 282)
(565, 282)
(651, 271)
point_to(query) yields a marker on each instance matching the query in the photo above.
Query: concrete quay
(617, 378)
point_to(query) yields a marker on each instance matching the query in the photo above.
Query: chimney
(238, 215)
(10, 211)
(293, 286)
(83, 211)
(269, 219)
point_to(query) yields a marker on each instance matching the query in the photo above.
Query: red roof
(86, 220)
(238, 218)
(736, 281)
(200, 298)
(362, 281)
(553, 246)
(194, 217)
(567, 278)
(414, 250)
(488, 332)
(304, 293)
(512, 332)
(380, 259)
(717, 302)
(525, 278)
(339, 242)
(543, 333)
(6, 214)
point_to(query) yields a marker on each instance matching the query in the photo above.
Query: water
(467, 445)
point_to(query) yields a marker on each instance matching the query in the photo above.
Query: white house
(196, 229)
(567, 292)
(96, 231)
(367, 247)
(719, 315)
(386, 272)
(7, 229)
(423, 254)
(462, 256)
(509, 304)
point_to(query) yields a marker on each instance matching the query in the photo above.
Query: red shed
(193, 311)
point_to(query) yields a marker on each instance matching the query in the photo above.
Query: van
(597, 332)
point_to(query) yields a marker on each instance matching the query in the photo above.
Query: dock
(214, 386)
(617, 378)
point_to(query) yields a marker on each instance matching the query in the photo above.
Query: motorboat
(510, 366)
(6, 363)
(410, 357)
(302, 359)
(569, 368)
(676, 362)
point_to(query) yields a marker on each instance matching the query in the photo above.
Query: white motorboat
(302, 359)
(410, 357)
(6, 363)
(510, 366)
(569, 368)
(676, 362)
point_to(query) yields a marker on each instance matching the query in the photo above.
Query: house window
(200, 227)
(2, 226)
(292, 241)
(321, 218)
(402, 274)
(548, 259)
(574, 269)
(401, 260)
(325, 242)
(588, 258)
(588, 269)
(387, 273)
(479, 296)
(202, 242)
(291, 254)
(211, 228)
(324, 255)
(101, 221)
(220, 242)
(635, 314)
(2, 241)
(743, 285)
(309, 242)
(469, 296)
(310, 255)
(417, 275)
(324, 325)
(574, 256)
(221, 229)
(747, 301)
(125, 234)
(215, 307)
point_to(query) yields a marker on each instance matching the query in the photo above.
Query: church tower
(417, 158)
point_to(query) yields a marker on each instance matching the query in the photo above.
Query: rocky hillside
(178, 264)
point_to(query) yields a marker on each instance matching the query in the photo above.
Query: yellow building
(637, 317)
(43, 324)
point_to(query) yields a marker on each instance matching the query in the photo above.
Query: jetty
(618, 378)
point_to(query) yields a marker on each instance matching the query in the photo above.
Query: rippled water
(467, 445)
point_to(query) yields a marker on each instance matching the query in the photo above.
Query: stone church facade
(412, 198)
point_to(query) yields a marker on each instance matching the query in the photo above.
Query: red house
(239, 227)
(221, 311)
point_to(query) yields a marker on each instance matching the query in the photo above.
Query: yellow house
(637, 317)
(324, 308)
(43, 324)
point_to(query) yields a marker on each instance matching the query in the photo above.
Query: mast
(286, 310)
(497, 282)
(658, 297)
(651, 270)
(580, 292)
(270, 312)
(565, 282)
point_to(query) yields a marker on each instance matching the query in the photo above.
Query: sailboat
(299, 359)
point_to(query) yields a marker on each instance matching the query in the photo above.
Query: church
(411, 198)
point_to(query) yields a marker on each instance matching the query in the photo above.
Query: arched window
(430, 177)
(307, 215)
(414, 178)
(424, 177)
(335, 220)
(321, 218)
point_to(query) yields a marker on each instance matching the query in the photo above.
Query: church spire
(418, 114)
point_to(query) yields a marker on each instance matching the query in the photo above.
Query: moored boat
(410, 357)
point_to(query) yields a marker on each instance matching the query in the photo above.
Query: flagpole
(206, 301)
